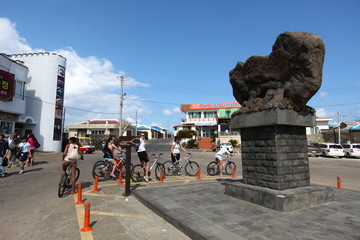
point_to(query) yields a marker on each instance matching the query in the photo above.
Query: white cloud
(170, 112)
(91, 83)
(10, 40)
(167, 112)
(323, 94)
(321, 112)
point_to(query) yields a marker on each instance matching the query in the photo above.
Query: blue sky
(178, 52)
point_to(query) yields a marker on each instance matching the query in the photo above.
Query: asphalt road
(31, 209)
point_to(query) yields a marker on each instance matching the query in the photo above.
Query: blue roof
(333, 125)
(156, 127)
(142, 127)
(354, 127)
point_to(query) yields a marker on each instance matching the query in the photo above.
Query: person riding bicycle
(175, 149)
(70, 157)
(219, 158)
(108, 151)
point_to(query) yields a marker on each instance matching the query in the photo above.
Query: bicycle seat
(153, 154)
(160, 154)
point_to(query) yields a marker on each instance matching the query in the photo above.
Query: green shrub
(191, 143)
(186, 133)
(234, 142)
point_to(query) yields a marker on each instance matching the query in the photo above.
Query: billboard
(7, 86)
(203, 106)
(59, 103)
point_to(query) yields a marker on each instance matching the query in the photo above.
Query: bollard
(96, 184)
(79, 193)
(199, 174)
(233, 172)
(338, 182)
(86, 227)
(120, 182)
(161, 180)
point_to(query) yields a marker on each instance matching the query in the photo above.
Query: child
(70, 157)
(24, 153)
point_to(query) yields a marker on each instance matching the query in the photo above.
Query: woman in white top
(175, 149)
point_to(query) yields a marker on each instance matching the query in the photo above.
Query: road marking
(186, 182)
(88, 193)
(117, 214)
(80, 216)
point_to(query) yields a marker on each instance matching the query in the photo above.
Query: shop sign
(6, 86)
(214, 105)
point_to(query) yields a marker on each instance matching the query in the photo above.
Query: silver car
(352, 150)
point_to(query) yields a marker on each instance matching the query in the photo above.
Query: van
(314, 149)
(352, 150)
(86, 145)
(332, 150)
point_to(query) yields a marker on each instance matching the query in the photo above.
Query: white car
(332, 150)
(352, 150)
(227, 145)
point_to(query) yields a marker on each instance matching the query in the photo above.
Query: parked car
(332, 150)
(313, 149)
(352, 150)
(227, 145)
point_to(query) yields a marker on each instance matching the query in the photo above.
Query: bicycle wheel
(191, 168)
(101, 169)
(229, 167)
(169, 168)
(138, 173)
(123, 169)
(212, 168)
(159, 166)
(62, 185)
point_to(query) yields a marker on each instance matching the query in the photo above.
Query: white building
(13, 83)
(99, 127)
(43, 94)
(320, 124)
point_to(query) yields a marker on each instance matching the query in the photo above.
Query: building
(13, 84)
(208, 119)
(38, 96)
(320, 124)
(99, 127)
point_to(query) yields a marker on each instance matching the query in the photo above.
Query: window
(19, 90)
(6, 127)
(194, 115)
(98, 132)
(209, 114)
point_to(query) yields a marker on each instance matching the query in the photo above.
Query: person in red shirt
(32, 140)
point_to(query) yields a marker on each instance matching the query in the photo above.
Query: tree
(186, 133)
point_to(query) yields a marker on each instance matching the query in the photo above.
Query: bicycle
(65, 181)
(102, 168)
(138, 171)
(191, 167)
(213, 167)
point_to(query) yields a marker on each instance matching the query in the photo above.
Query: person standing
(24, 148)
(31, 140)
(4, 150)
(143, 157)
(14, 141)
(175, 149)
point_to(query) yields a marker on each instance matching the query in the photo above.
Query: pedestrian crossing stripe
(117, 214)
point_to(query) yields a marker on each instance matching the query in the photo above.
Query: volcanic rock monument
(273, 91)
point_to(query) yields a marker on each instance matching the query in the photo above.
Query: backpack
(106, 151)
(12, 145)
(73, 152)
(37, 144)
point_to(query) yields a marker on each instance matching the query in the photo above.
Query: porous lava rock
(286, 79)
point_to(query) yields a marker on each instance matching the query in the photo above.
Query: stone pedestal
(274, 156)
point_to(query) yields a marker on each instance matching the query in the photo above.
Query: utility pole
(121, 103)
(339, 129)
